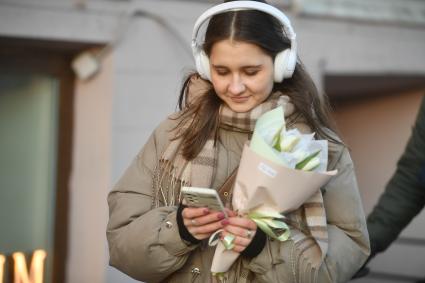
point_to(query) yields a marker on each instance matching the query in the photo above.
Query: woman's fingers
(240, 243)
(238, 248)
(243, 229)
(194, 218)
(231, 213)
(193, 212)
(243, 222)
(245, 233)
(205, 231)
(201, 223)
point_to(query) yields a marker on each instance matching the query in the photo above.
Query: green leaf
(312, 164)
(300, 165)
(276, 139)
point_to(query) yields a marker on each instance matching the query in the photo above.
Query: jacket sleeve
(404, 196)
(347, 235)
(143, 242)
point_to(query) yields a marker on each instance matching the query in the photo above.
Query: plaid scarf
(174, 171)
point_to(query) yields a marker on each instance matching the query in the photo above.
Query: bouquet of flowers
(278, 172)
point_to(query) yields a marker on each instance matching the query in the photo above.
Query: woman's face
(241, 74)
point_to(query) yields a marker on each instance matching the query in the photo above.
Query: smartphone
(203, 197)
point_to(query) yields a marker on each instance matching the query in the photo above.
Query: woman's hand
(202, 223)
(242, 228)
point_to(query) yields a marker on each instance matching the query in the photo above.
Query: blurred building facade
(67, 139)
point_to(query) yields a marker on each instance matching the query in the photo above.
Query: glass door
(28, 149)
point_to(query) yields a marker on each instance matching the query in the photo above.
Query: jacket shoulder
(336, 149)
(160, 137)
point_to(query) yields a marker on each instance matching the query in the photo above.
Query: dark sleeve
(404, 195)
(256, 246)
(184, 233)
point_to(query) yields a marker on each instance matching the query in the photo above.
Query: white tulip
(287, 143)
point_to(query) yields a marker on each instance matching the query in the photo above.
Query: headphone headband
(244, 5)
(248, 5)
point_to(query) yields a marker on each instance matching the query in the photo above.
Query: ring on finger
(194, 222)
(248, 234)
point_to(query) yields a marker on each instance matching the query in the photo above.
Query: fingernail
(220, 215)
(206, 211)
(224, 222)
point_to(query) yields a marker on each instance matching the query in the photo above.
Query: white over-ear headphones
(284, 62)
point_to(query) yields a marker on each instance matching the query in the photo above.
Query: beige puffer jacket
(145, 243)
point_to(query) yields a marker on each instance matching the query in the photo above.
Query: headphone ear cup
(284, 65)
(203, 65)
(291, 64)
(280, 65)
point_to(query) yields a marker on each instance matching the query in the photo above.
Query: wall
(90, 178)
(377, 130)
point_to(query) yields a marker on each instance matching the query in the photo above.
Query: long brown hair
(263, 30)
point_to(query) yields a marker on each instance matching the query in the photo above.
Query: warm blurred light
(36, 269)
(2, 260)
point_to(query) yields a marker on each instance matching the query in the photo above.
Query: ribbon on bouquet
(272, 223)
(269, 221)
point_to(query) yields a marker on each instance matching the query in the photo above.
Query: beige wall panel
(377, 130)
(90, 181)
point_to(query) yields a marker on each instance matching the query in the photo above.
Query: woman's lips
(239, 99)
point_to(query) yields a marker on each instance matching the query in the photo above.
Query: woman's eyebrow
(252, 66)
(219, 66)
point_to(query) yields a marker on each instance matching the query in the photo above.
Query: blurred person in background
(404, 195)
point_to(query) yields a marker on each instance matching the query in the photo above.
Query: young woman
(246, 66)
